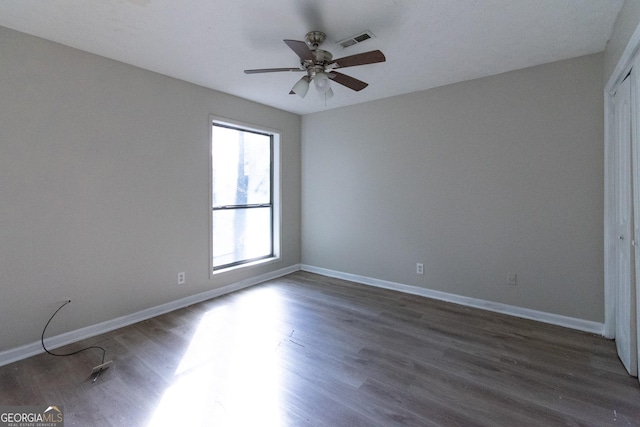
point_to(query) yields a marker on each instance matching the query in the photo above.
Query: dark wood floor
(307, 350)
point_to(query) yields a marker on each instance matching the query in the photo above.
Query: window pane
(241, 234)
(241, 167)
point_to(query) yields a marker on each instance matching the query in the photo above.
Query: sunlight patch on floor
(239, 386)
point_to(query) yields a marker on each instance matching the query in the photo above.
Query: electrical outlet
(419, 268)
(181, 278)
(512, 279)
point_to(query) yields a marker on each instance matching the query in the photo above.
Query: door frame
(621, 70)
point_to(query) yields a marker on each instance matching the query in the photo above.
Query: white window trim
(277, 190)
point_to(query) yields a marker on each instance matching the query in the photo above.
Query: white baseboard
(28, 350)
(22, 352)
(526, 313)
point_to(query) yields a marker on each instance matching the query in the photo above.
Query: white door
(635, 184)
(625, 319)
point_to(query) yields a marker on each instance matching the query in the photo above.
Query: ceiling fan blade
(301, 49)
(271, 70)
(348, 81)
(360, 59)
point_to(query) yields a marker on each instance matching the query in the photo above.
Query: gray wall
(475, 180)
(104, 187)
(104, 181)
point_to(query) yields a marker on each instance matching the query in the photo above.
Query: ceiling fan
(320, 66)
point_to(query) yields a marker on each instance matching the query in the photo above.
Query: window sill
(247, 265)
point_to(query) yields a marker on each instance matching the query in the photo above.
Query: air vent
(358, 38)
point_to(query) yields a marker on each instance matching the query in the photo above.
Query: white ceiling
(427, 43)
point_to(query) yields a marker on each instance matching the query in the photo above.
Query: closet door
(635, 171)
(626, 327)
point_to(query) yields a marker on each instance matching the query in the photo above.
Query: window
(242, 174)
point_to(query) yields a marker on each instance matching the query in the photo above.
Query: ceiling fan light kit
(328, 94)
(321, 82)
(320, 65)
(301, 87)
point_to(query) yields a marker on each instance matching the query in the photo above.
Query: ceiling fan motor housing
(320, 57)
(320, 60)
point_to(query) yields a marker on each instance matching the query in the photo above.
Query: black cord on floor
(74, 352)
